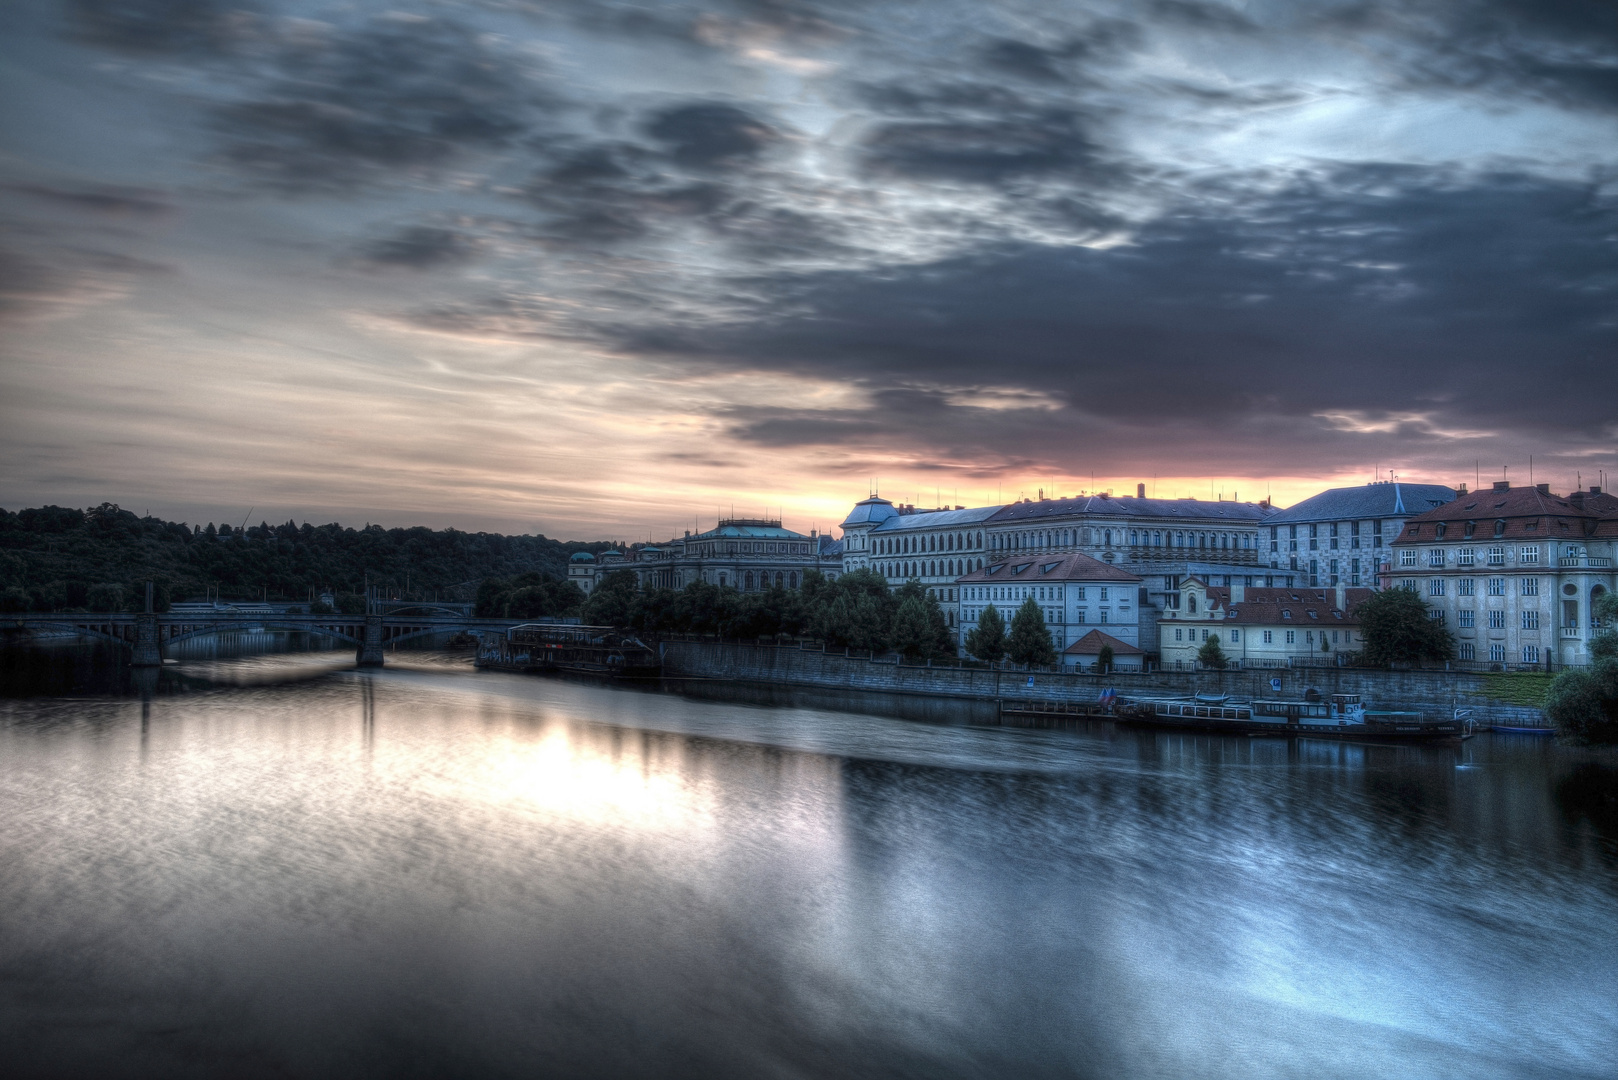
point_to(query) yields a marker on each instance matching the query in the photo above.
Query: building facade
(1161, 541)
(935, 547)
(1077, 594)
(1512, 572)
(1342, 536)
(1260, 626)
(750, 554)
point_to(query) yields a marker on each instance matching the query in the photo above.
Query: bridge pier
(148, 649)
(370, 651)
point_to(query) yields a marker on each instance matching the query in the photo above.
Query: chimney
(1595, 490)
(1460, 491)
(1342, 596)
(1140, 491)
(1238, 591)
(1502, 485)
(1543, 489)
(1041, 494)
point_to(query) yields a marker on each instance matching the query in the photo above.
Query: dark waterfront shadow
(1590, 793)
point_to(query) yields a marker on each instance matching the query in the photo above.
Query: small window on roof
(1019, 569)
(1285, 614)
(995, 569)
(1312, 614)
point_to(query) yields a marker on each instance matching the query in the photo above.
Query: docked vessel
(1340, 716)
(580, 650)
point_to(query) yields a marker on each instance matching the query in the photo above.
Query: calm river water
(282, 867)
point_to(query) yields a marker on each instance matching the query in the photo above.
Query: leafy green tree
(1395, 629)
(1105, 659)
(1030, 641)
(987, 640)
(612, 602)
(1211, 655)
(1583, 704)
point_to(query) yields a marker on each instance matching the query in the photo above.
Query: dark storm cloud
(377, 102)
(1372, 292)
(978, 133)
(1201, 16)
(707, 135)
(195, 27)
(703, 164)
(101, 200)
(1564, 52)
(421, 247)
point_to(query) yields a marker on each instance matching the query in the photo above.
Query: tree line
(56, 558)
(858, 610)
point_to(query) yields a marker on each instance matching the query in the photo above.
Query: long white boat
(1340, 716)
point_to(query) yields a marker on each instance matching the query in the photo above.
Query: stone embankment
(1432, 692)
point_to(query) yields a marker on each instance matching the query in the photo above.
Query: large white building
(1342, 535)
(1076, 593)
(935, 547)
(1161, 541)
(1513, 572)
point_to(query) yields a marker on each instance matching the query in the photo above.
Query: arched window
(792, 580)
(748, 579)
(1107, 538)
(721, 579)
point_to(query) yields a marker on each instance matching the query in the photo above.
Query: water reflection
(495, 875)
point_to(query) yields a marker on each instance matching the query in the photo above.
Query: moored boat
(1340, 716)
(579, 650)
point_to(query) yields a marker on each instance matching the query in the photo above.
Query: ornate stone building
(1512, 572)
(749, 554)
(1341, 536)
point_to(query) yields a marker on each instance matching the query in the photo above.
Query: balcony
(1572, 633)
(1591, 562)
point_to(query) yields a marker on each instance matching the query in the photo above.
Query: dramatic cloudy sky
(604, 268)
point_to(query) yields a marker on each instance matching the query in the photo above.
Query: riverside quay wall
(1432, 692)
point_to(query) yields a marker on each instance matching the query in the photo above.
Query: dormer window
(1285, 614)
(1440, 529)
(1471, 527)
(1500, 527)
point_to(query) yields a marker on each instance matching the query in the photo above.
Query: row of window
(1038, 592)
(1052, 615)
(1466, 650)
(1347, 636)
(1528, 586)
(1466, 619)
(1048, 538)
(928, 542)
(1527, 555)
(904, 571)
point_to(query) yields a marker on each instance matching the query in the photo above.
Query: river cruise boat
(578, 650)
(1340, 716)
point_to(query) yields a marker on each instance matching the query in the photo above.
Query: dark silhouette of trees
(987, 641)
(1030, 640)
(1395, 629)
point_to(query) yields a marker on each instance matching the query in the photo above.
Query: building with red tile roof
(1260, 626)
(1513, 572)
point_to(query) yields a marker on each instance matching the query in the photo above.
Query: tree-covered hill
(54, 558)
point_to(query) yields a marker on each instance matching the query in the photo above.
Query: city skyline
(604, 271)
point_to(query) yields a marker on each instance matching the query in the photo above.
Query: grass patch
(1526, 688)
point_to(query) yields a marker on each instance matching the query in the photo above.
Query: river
(279, 866)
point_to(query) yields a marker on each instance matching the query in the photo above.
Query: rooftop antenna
(1530, 470)
(1477, 473)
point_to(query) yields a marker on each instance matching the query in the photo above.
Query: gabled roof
(1167, 510)
(1379, 500)
(1091, 644)
(1039, 569)
(937, 519)
(1528, 513)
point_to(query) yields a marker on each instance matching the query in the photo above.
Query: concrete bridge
(146, 634)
